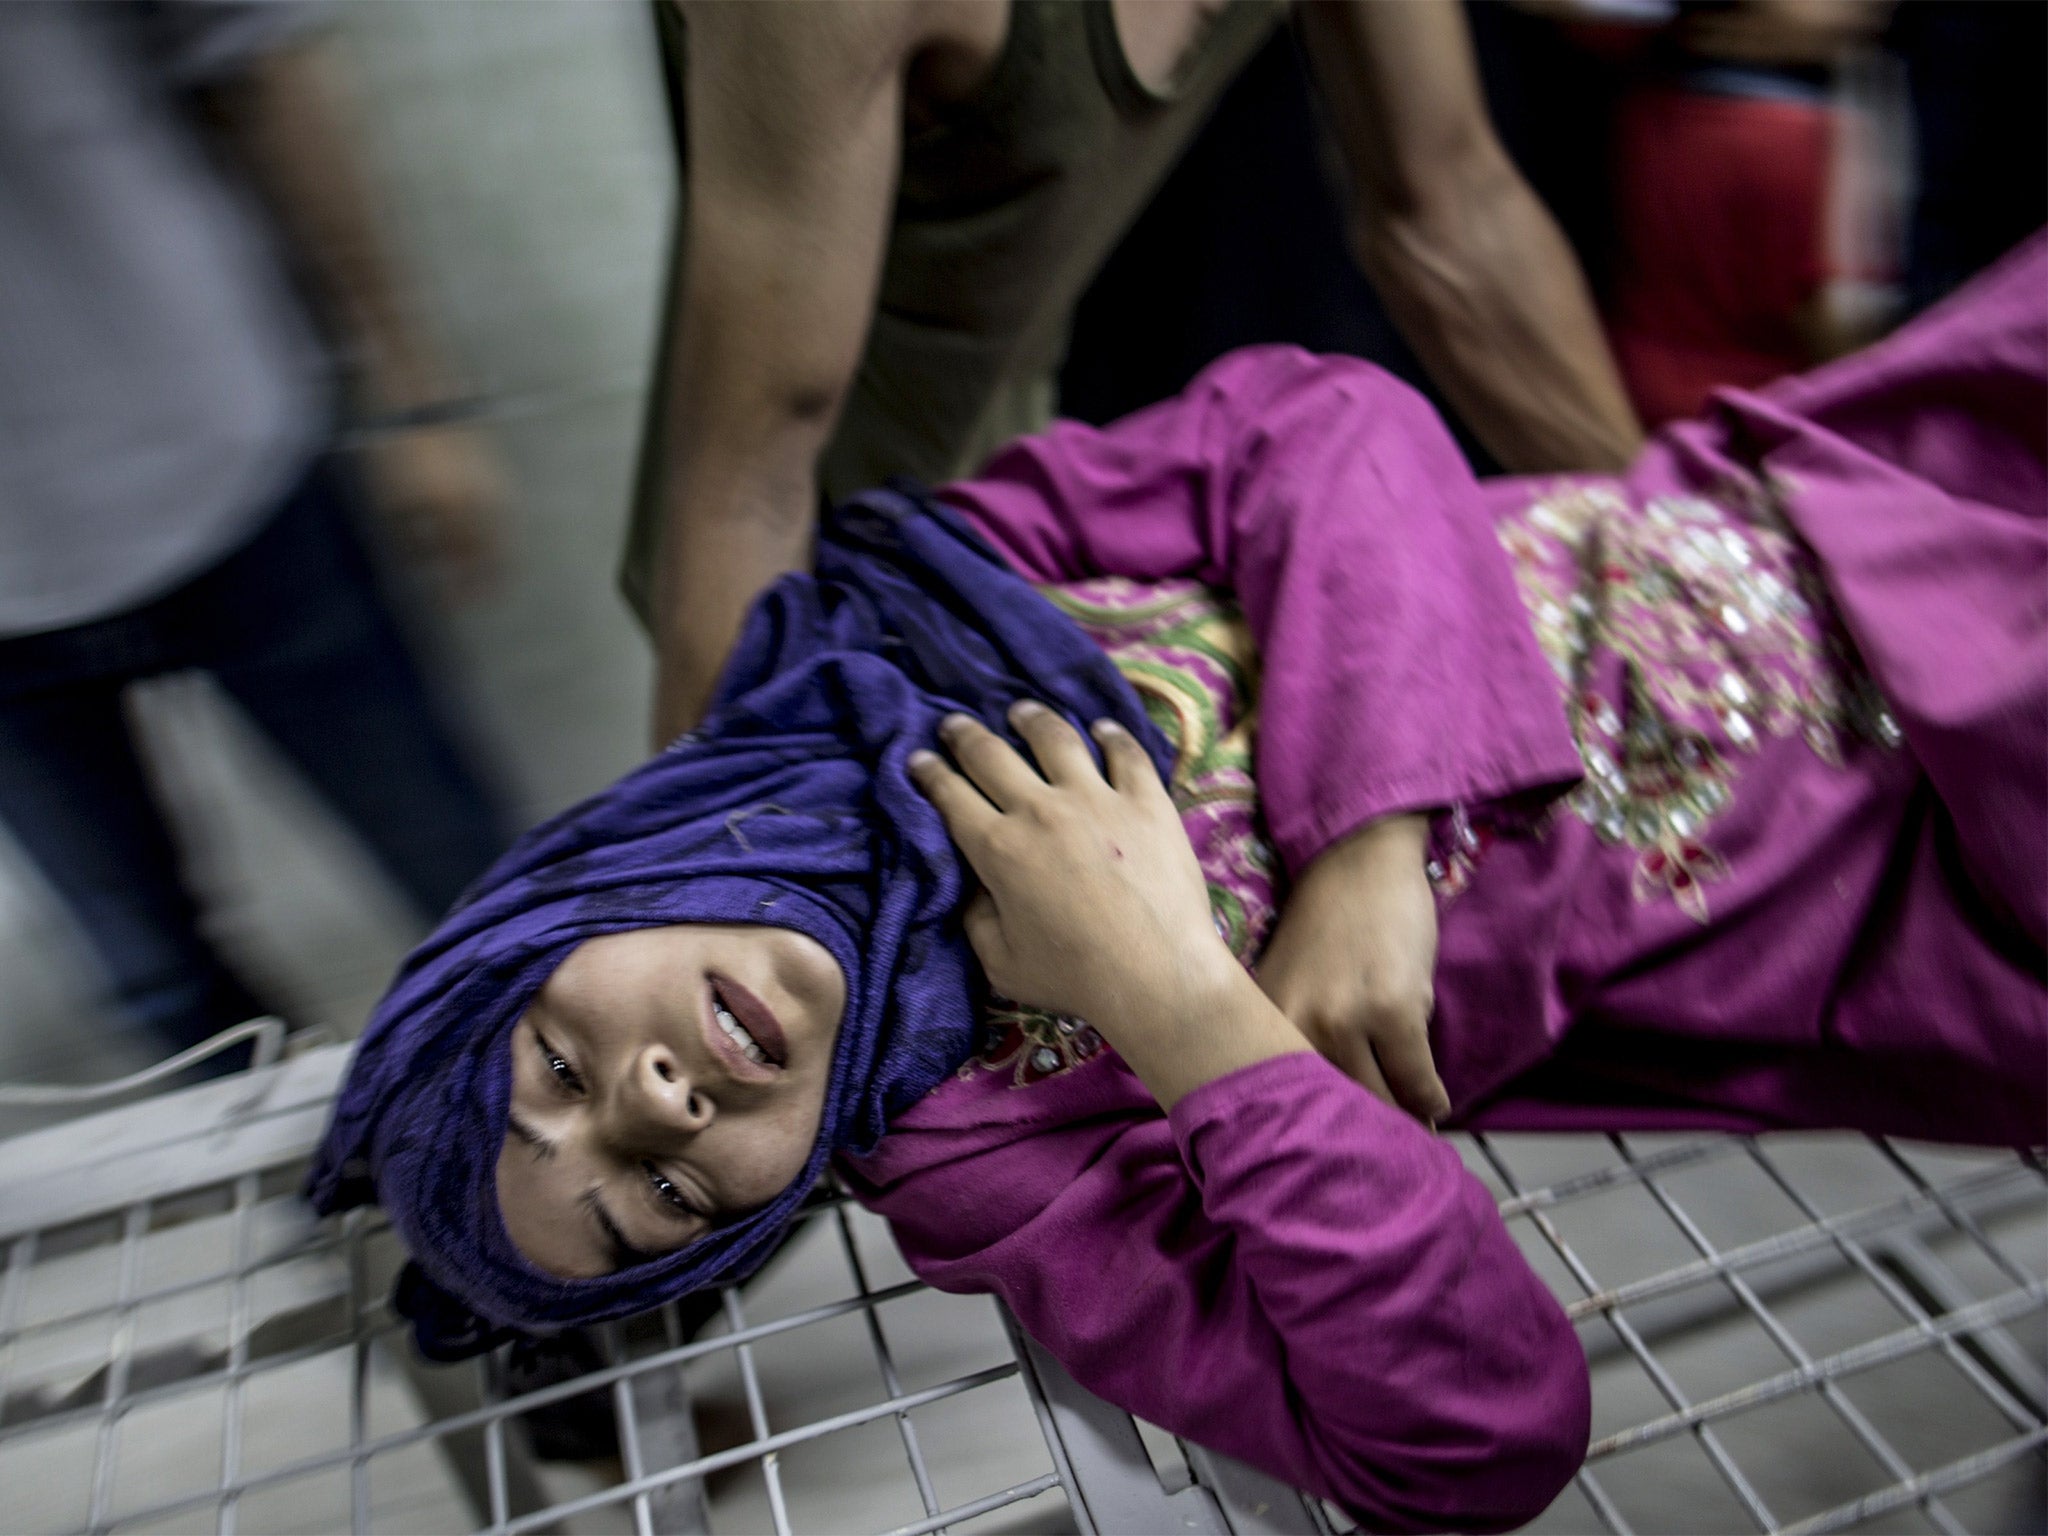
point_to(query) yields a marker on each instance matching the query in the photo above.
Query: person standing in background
(171, 492)
(1727, 165)
(890, 208)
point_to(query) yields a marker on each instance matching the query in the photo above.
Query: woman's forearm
(1286, 1271)
(1433, 1380)
(1195, 1034)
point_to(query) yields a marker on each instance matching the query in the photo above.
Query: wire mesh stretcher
(1790, 1334)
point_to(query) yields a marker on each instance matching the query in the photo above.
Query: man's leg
(73, 794)
(296, 630)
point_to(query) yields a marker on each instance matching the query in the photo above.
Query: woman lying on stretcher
(1710, 796)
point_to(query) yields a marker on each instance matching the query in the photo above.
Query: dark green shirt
(1008, 203)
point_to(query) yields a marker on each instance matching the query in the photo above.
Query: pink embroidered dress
(1738, 766)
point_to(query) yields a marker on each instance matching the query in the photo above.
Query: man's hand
(442, 496)
(1092, 903)
(1353, 960)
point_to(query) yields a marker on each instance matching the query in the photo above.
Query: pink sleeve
(1287, 1271)
(1400, 670)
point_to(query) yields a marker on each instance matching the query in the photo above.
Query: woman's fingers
(1062, 756)
(965, 810)
(1387, 1054)
(1130, 768)
(1353, 1055)
(985, 934)
(1403, 1050)
(991, 762)
(1003, 775)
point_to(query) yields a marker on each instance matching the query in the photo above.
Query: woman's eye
(666, 1191)
(558, 1066)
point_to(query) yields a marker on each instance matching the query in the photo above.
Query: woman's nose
(661, 1090)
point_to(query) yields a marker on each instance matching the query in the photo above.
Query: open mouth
(736, 1032)
(748, 1024)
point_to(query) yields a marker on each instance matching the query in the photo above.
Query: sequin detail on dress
(1683, 633)
(1188, 652)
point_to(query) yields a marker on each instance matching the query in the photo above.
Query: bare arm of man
(794, 132)
(1470, 264)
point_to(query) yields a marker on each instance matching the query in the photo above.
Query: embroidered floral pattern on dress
(1188, 652)
(1683, 633)
(1457, 842)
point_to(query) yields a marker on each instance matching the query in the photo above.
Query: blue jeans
(293, 626)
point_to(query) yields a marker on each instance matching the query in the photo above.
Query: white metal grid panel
(1787, 1334)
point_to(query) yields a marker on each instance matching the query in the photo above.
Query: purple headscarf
(789, 806)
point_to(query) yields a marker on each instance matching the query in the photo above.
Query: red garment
(1720, 217)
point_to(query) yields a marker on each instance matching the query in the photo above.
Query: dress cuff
(1288, 1079)
(1526, 780)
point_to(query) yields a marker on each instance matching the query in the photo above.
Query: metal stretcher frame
(1952, 1253)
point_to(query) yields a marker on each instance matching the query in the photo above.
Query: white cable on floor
(268, 1033)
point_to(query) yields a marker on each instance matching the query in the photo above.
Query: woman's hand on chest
(1092, 903)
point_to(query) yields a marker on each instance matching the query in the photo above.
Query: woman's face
(663, 1081)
